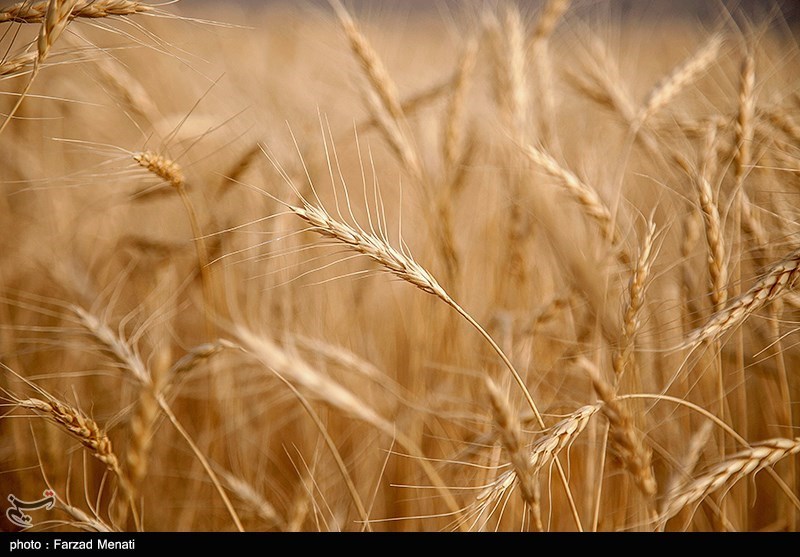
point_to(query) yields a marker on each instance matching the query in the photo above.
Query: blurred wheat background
(483, 266)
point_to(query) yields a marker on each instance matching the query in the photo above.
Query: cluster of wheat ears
(516, 267)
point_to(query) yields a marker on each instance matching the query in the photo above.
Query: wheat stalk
(171, 172)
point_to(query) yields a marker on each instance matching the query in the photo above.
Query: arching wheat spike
(779, 280)
(370, 245)
(166, 169)
(750, 461)
(34, 12)
(81, 427)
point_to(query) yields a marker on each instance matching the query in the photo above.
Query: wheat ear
(634, 454)
(749, 461)
(779, 280)
(635, 303)
(684, 74)
(511, 438)
(401, 264)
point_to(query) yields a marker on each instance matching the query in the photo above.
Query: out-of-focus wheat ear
(453, 134)
(583, 194)
(415, 102)
(538, 45)
(393, 134)
(240, 166)
(744, 117)
(299, 374)
(691, 234)
(745, 463)
(688, 461)
(17, 64)
(637, 285)
(548, 311)
(142, 425)
(548, 20)
(680, 77)
(508, 65)
(600, 81)
(634, 455)
(377, 76)
(83, 521)
(517, 68)
(717, 259)
(119, 349)
(511, 439)
(781, 120)
(253, 499)
(130, 90)
(780, 279)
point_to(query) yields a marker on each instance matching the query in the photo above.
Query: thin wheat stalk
(171, 172)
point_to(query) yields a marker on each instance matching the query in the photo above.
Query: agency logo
(16, 512)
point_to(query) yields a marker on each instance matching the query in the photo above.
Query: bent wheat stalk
(401, 264)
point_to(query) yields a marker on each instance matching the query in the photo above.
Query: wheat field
(489, 266)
